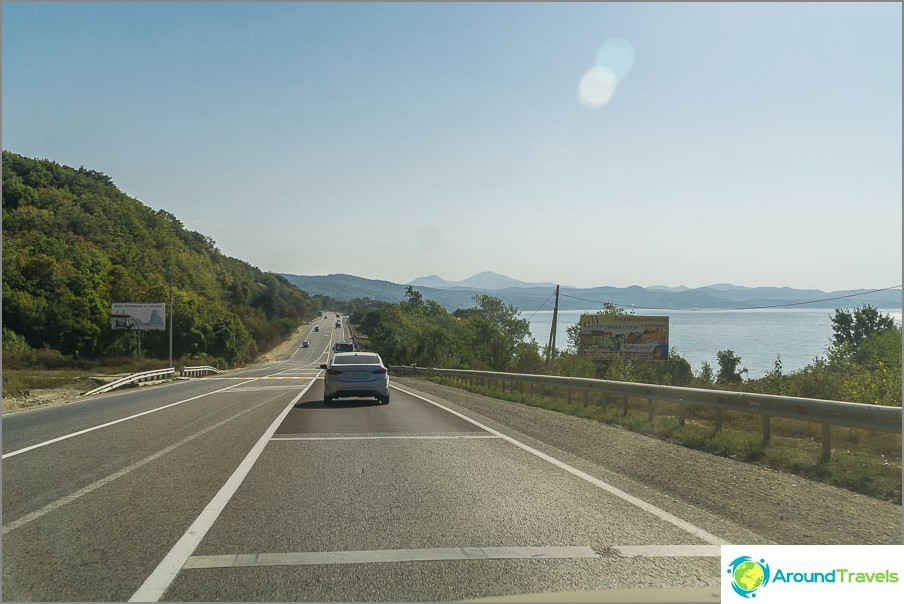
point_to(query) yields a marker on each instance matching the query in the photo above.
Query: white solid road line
(399, 437)
(157, 583)
(117, 421)
(391, 555)
(647, 507)
(668, 551)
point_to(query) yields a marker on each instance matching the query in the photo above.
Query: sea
(758, 337)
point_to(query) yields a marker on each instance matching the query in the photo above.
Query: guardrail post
(812, 411)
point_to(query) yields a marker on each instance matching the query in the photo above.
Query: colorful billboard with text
(605, 336)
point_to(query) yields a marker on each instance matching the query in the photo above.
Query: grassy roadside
(862, 461)
(36, 378)
(25, 388)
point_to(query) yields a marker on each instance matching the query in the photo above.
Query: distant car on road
(344, 347)
(305, 344)
(317, 328)
(355, 374)
(338, 324)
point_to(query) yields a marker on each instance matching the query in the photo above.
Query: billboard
(605, 336)
(139, 316)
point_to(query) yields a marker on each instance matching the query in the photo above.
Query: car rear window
(357, 359)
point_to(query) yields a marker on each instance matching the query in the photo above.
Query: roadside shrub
(13, 342)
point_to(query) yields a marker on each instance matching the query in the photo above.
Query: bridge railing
(818, 411)
(135, 378)
(198, 371)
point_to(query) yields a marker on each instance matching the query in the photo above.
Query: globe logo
(748, 575)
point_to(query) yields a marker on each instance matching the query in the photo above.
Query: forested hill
(73, 244)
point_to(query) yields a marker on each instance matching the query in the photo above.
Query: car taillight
(333, 371)
(378, 371)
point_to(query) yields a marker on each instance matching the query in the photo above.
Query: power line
(746, 307)
(542, 305)
(823, 300)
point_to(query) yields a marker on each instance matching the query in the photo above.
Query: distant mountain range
(486, 280)
(530, 297)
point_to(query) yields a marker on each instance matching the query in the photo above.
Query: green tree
(573, 336)
(415, 299)
(853, 327)
(774, 380)
(496, 331)
(706, 378)
(503, 316)
(728, 368)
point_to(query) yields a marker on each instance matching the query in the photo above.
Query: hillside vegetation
(73, 244)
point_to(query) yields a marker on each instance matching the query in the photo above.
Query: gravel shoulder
(778, 507)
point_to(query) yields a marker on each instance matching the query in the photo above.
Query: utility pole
(171, 309)
(552, 332)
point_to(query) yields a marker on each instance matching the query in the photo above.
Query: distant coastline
(530, 297)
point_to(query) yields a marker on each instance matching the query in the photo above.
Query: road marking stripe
(647, 507)
(159, 581)
(668, 551)
(264, 388)
(124, 419)
(98, 484)
(272, 377)
(390, 555)
(401, 437)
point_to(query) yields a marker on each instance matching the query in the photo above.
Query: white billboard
(139, 316)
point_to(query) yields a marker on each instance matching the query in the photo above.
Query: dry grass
(861, 460)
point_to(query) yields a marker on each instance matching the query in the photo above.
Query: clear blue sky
(758, 144)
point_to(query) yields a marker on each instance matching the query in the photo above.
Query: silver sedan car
(356, 374)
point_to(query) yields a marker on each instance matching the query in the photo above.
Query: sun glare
(617, 55)
(597, 87)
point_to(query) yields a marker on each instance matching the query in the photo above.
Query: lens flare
(597, 87)
(617, 55)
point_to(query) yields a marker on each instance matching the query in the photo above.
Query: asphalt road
(246, 487)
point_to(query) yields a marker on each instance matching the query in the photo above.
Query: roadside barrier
(824, 412)
(147, 376)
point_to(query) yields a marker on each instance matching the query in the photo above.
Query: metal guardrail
(196, 371)
(827, 413)
(135, 378)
